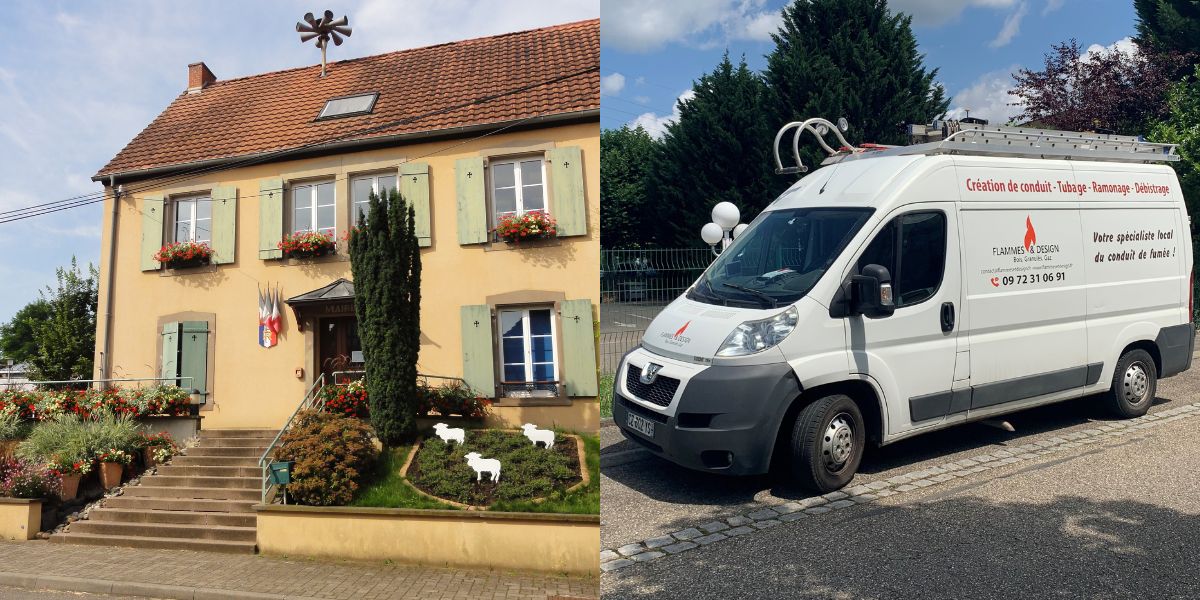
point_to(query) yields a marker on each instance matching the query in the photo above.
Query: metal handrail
(91, 381)
(264, 462)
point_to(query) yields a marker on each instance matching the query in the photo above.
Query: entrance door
(911, 353)
(339, 347)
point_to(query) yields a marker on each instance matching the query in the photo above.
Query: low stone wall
(21, 519)
(180, 428)
(551, 543)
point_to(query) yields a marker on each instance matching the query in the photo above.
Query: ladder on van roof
(956, 137)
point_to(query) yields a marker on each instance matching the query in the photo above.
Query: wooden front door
(339, 346)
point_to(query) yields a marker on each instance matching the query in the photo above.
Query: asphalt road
(1110, 520)
(628, 316)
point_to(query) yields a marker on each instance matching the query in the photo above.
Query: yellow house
(468, 132)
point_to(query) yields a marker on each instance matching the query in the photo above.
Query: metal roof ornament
(323, 30)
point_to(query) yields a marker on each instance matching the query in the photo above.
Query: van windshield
(780, 257)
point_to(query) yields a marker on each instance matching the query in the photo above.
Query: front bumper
(721, 419)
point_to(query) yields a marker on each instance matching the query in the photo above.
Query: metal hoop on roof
(818, 127)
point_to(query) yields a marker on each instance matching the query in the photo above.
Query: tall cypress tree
(385, 261)
(853, 59)
(718, 150)
(625, 158)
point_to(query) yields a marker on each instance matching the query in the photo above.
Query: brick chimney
(199, 77)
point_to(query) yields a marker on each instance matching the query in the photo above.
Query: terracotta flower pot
(70, 486)
(7, 447)
(110, 474)
(148, 456)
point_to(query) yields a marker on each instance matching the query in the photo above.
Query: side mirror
(871, 292)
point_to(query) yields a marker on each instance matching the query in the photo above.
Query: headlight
(756, 336)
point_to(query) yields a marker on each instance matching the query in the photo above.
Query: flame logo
(1030, 234)
(682, 329)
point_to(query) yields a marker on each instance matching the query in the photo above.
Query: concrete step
(184, 505)
(157, 543)
(214, 461)
(228, 452)
(192, 493)
(269, 434)
(229, 442)
(216, 519)
(165, 530)
(202, 471)
(160, 480)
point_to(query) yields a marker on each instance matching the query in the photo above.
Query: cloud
(612, 84)
(1124, 45)
(987, 98)
(639, 26)
(385, 25)
(934, 13)
(1052, 5)
(1011, 27)
(656, 125)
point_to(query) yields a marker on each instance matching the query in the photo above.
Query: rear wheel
(827, 443)
(1134, 383)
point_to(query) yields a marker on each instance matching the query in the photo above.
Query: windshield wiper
(766, 297)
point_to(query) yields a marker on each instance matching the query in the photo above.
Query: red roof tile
(277, 111)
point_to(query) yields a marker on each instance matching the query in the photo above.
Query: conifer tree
(625, 206)
(385, 261)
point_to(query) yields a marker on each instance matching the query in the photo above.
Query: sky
(78, 80)
(652, 50)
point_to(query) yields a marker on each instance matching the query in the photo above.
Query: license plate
(640, 424)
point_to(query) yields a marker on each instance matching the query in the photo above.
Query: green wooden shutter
(579, 348)
(479, 367)
(472, 200)
(224, 224)
(170, 351)
(270, 218)
(566, 176)
(153, 216)
(414, 186)
(193, 356)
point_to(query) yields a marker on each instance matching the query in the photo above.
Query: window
(527, 348)
(919, 240)
(349, 106)
(360, 192)
(313, 208)
(193, 219)
(518, 187)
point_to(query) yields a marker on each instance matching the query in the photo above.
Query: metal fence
(635, 285)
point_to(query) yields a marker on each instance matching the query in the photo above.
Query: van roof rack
(957, 137)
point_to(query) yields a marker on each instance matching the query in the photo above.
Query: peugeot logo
(650, 373)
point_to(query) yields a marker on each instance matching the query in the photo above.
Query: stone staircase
(201, 501)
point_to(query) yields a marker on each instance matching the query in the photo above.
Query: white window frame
(520, 189)
(527, 339)
(374, 178)
(312, 224)
(191, 220)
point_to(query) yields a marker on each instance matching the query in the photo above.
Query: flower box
(532, 225)
(184, 255)
(307, 244)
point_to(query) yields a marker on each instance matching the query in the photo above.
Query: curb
(770, 515)
(129, 588)
(607, 422)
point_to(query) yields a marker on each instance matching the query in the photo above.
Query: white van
(906, 289)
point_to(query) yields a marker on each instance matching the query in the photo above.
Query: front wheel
(827, 443)
(1134, 383)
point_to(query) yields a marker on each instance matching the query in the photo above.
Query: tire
(1134, 384)
(827, 443)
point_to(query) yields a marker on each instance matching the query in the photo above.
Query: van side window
(919, 241)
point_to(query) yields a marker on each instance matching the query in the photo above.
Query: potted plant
(532, 225)
(158, 448)
(183, 255)
(69, 473)
(307, 244)
(112, 464)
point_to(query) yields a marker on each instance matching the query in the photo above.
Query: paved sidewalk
(202, 575)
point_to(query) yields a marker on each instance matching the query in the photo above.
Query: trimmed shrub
(333, 454)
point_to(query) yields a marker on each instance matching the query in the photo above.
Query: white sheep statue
(450, 434)
(536, 435)
(484, 465)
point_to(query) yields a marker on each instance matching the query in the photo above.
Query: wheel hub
(1136, 384)
(837, 442)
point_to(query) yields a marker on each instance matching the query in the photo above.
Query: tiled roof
(277, 111)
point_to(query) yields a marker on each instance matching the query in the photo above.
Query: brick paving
(280, 577)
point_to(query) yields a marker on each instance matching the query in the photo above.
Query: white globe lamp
(739, 229)
(711, 233)
(726, 215)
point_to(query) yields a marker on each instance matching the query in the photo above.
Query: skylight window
(349, 106)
